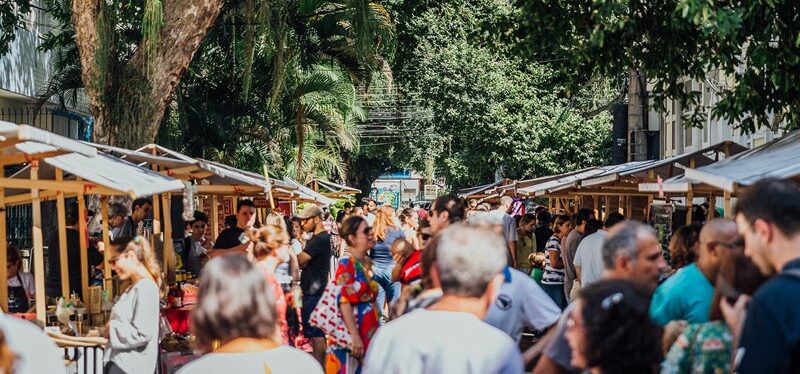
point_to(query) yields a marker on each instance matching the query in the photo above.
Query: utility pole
(637, 132)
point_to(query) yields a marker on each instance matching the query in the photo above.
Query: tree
(750, 50)
(130, 82)
(490, 110)
(11, 17)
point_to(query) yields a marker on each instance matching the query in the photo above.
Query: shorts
(309, 303)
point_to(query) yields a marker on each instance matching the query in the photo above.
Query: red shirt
(411, 273)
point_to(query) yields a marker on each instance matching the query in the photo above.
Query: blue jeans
(382, 273)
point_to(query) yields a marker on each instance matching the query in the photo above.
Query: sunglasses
(425, 236)
(736, 244)
(367, 231)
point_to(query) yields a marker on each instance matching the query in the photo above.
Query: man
(502, 216)
(521, 303)
(368, 206)
(588, 262)
(768, 217)
(632, 252)
(571, 246)
(234, 239)
(196, 245)
(446, 210)
(526, 243)
(315, 260)
(116, 218)
(449, 336)
(543, 232)
(141, 209)
(687, 294)
(53, 276)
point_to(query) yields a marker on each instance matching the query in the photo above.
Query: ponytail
(141, 247)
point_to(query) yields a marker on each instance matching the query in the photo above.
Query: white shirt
(133, 329)
(283, 273)
(283, 359)
(36, 353)
(370, 218)
(425, 341)
(589, 258)
(27, 282)
(521, 302)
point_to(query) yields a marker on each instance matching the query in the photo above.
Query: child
(407, 269)
(537, 262)
(196, 246)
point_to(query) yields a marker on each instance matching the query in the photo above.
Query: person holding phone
(706, 347)
(197, 245)
(234, 239)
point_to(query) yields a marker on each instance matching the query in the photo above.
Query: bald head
(717, 239)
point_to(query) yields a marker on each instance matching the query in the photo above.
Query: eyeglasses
(736, 244)
(113, 260)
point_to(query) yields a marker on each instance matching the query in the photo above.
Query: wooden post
(3, 253)
(608, 205)
(596, 207)
(106, 236)
(62, 239)
(620, 208)
(628, 207)
(727, 204)
(156, 217)
(82, 233)
(558, 205)
(169, 251)
(38, 245)
(689, 198)
(649, 207)
(549, 204)
(214, 216)
(712, 207)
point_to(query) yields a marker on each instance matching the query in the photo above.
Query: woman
(234, 323)
(706, 347)
(683, 246)
(526, 243)
(267, 242)
(553, 277)
(21, 289)
(288, 270)
(385, 232)
(424, 233)
(409, 223)
(132, 331)
(357, 296)
(610, 331)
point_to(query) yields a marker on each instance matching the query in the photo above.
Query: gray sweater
(133, 330)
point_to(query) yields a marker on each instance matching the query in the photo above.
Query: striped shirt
(552, 275)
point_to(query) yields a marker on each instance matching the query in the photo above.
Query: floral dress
(703, 348)
(359, 291)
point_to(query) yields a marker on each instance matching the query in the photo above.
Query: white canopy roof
(32, 141)
(777, 159)
(309, 193)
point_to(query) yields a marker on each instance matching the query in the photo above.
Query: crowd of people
(458, 287)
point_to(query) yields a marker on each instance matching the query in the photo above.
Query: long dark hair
(349, 227)
(621, 336)
(235, 301)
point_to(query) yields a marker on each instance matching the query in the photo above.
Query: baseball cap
(310, 211)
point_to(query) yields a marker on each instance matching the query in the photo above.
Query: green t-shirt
(525, 246)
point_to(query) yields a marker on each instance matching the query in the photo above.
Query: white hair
(468, 258)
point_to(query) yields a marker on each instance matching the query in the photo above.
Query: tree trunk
(128, 109)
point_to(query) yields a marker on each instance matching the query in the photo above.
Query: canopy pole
(169, 252)
(214, 217)
(62, 239)
(689, 199)
(558, 205)
(628, 207)
(38, 245)
(620, 208)
(608, 204)
(596, 207)
(106, 236)
(712, 206)
(727, 206)
(649, 207)
(82, 233)
(3, 253)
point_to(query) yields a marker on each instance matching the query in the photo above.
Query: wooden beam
(727, 206)
(180, 171)
(620, 206)
(228, 189)
(38, 246)
(84, 245)
(62, 239)
(64, 186)
(3, 254)
(214, 216)
(169, 251)
(712, 207)
(20, 158)
(689, 198)
(106, 236)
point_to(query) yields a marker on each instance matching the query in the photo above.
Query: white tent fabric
(22, 135)
(777, 159)
(107, 171)
(675, 184)
(335, 187)
(309, 193)
(561, 183)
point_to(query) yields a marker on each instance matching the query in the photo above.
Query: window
(687, 136)
(687, 89)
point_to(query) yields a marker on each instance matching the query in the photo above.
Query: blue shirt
(686, 295)
(381, 253)
(770, 339)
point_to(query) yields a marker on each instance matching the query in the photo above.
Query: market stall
(333, 190)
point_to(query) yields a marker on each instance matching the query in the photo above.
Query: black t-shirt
(542, 233)
(229, 238)
(53, 276)
(771, 335)
(314, 277)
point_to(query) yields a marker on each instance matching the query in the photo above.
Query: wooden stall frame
(62, 238)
